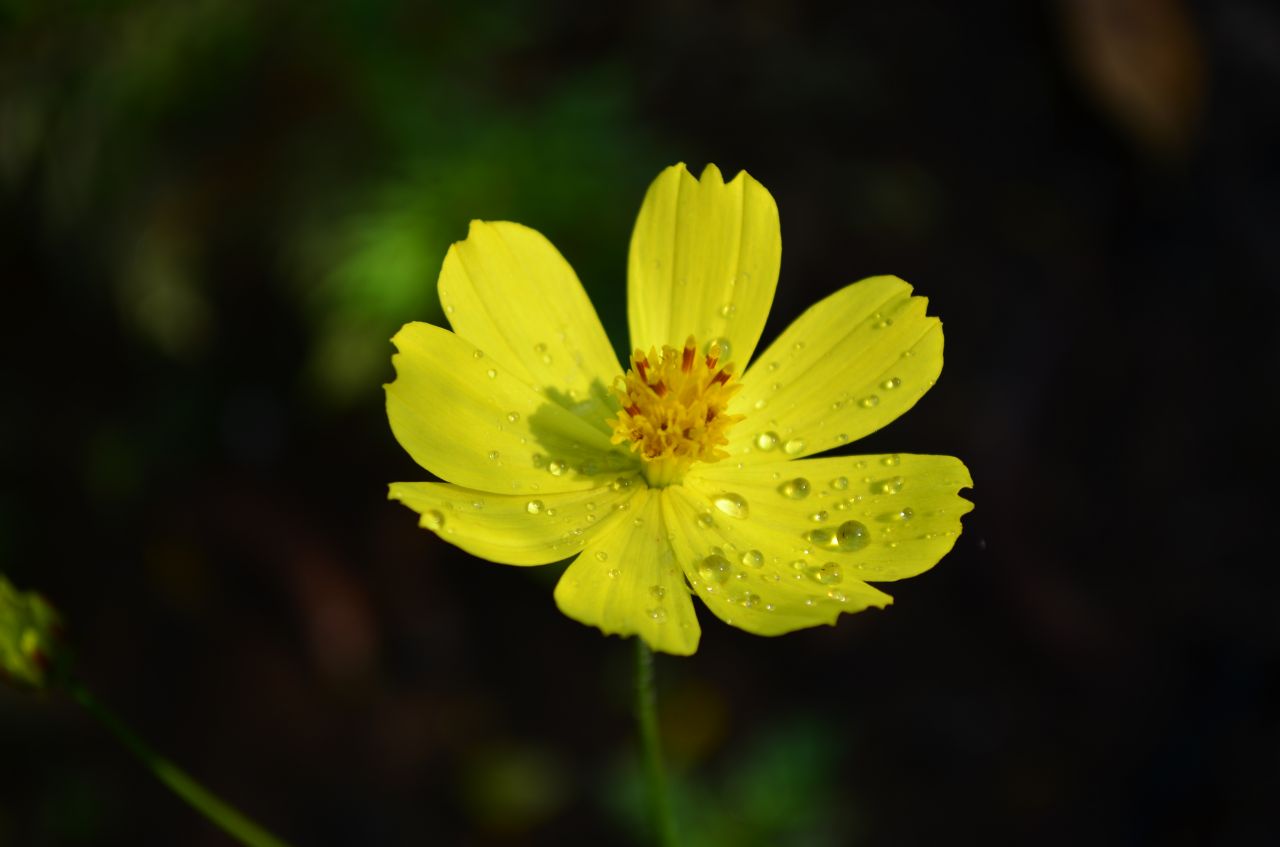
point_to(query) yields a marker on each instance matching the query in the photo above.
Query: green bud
(30, 637)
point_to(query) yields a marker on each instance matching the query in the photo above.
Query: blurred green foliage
(350, 141)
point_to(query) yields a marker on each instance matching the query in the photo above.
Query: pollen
(674, 409)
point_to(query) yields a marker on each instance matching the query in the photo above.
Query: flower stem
(197, 796)
(647, 716)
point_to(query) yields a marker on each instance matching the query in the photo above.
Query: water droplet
(818, 517)
(551, 513)
(797, 564)
(493, 455)
(721, 348)
(714, 568)
(840, 483)
(602, 556)
(622, 483)
(637, 522)
(658, 613)
(657, 592)
(557, 467)
(448, 309)
(795, 489)
(888, 486)
(907, 354)
(753, 558)
(891, 383)
(773, 366)
(614, 573)
(759, 404)
(852, 536)
(891, 461)
(797, 347)
(767, 440)
(477, 504)
(749, 600)
(836, 594)
(769, 607)
(793, 446)
(884, 322)
(906, 513)
(825, 574)
(727, 309)
(539, 347)
(491, 373)
(842, 438)
(433, 520)
(546, 358)
(706, 521)
(477, 354)
(869, 402)
(533, 507)
(731, 504)
(512, 417)
(821, 537)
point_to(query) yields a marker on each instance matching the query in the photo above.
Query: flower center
(674, 409)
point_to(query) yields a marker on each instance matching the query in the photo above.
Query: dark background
(215, 214)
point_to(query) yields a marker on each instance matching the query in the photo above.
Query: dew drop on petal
(493, 455)
(840, 483)
(906, 513)
(731, 504)
(836, 594)
(869, 402)
(512, 417)
(658, 613)
(477, 354)
(795, 489)
(602, 556)
(614, 573)
(533, 507)
(491, 373)
(557, 467)
(793, 447)
(891, 383)
(826, 574)
(706, 521)
(714, 568)
(891, 461)
(852, 536)
(888, 486)
(750, 601)
(818, 516)
(727, 310)
(551, 513)
(622, 483)
(753, 559)
(767, 440)
(433, 520)
(657, 592)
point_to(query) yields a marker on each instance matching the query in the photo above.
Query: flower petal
(515, 530)
(508, 291)
(846, 367)
(908, 505)
(704, 262)
(473, 422)
(742, 572)
(626, 582)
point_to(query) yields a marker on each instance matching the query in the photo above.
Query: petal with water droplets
(846, 367)
(627, 582)
(704, 261)
(516, 530)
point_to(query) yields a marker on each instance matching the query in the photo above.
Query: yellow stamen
(674, 409)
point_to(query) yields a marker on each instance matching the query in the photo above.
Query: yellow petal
(626, 582)
(745, 574)
(470, 420)
(508, 291)
(849, 365)
(908, 508)
(704, 262)
(513, 530)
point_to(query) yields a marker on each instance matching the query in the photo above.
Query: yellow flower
(685, 473)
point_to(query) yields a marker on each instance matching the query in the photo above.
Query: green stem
(200, 798)
(647, 715)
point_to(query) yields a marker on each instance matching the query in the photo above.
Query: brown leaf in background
(1142, 62)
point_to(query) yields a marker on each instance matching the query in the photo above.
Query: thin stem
(647, 715)
(197, 796)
